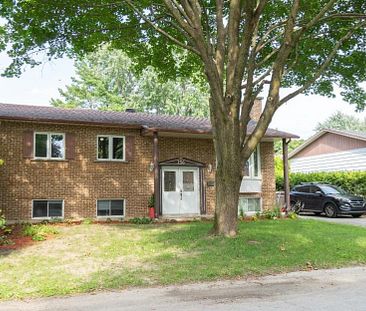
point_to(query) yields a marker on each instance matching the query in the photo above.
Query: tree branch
(324, 65)
(249, 143)
(220, 40)
(161, 31)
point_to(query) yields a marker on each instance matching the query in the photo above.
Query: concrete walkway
(342, 289)
(346, 220)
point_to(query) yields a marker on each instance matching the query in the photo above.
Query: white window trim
(110, 148)
(52, 217)
(111, 216)
(251, 166)
(252, 213)
(48, 157)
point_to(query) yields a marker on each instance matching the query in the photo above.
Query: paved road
(335, 290)
(347, 220)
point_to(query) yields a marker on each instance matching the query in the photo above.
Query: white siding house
(330, 151)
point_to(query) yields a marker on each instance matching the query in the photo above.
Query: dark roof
(351, 134)
(139, 120)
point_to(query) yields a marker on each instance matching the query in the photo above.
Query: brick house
(82, 163)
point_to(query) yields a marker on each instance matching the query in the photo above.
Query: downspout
(156, 174)
(286, 181)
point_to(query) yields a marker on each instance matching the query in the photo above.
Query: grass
(90, 257)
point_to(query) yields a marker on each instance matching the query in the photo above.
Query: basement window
(110, 208)
(47, 209)
(249, 205)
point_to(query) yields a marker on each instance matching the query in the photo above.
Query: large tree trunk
(228, 179)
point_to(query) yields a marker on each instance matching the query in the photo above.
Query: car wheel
(330, 210)
(356, 216)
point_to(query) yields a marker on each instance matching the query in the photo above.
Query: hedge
(353, 182)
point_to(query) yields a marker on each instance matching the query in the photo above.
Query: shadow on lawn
(188, 253)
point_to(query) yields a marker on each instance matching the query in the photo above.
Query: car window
(305, 189)
(328, 189)
(314, 189)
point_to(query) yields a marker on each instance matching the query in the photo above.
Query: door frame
(184, 162)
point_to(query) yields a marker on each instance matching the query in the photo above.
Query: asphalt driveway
(336, 290)
(346, 220)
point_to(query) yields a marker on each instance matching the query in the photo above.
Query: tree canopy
(153, 32)
(238, 46)
(106, 80)
(342, 121)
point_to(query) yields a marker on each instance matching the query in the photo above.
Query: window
(304, 189)
(109, 208)
(188, 181)
(47, 209)
(252, 167)
(169, 181)
(249, 205)
(111, 148)
(314, 189)
(49, 146)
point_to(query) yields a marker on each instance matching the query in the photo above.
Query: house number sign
(181, 161)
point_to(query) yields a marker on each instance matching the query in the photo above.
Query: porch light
(209, 168)
(151, 166)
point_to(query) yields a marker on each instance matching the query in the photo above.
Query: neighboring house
(330, 150)
(86, 163)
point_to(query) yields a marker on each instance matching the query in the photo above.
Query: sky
(38, 85)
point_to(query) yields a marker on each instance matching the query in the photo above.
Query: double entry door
(180, 190)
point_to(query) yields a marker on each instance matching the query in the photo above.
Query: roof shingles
(123, 119)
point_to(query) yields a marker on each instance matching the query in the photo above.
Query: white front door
(180, 190)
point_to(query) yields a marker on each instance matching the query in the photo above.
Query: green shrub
(38, 232)
(272, 213)
(292, 215)
(151, 201)
(242, 214)
(87, 221)
(140, 221)
(5, 231)
(2, 221)
(354, 182)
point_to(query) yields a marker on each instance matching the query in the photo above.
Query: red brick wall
(268, 175)
(80, 182)
(83, 180)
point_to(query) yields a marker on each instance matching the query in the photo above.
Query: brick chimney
(256, 109)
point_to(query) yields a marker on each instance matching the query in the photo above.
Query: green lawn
(90, 257)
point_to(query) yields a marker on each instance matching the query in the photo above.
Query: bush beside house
(354, 182)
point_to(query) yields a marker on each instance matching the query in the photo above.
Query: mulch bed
(16, 239)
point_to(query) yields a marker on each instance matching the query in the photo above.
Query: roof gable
(350, 137)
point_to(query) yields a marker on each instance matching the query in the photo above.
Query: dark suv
(331, 200)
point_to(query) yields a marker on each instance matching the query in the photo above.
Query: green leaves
(77, 27)
(341, 121)
(108, 80)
